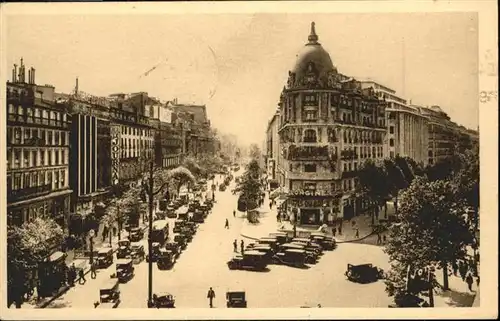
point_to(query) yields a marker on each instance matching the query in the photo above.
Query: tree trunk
(446, 285)
(396, 204)
(385, 210)
(375, 212)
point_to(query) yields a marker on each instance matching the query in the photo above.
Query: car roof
(105, 250)
(295, 251)
(160, 294)
(108, 284)
(256, 253)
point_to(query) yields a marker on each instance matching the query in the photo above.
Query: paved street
(202, 265)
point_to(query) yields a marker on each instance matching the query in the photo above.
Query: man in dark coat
(235, 246)
(242, 246)
(211, 296)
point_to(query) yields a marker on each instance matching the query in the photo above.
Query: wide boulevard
(203, 265)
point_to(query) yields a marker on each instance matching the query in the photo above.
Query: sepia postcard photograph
(290, 160)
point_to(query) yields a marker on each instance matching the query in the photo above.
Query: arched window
(309, 136)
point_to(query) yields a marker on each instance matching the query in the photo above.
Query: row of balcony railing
(38, 121)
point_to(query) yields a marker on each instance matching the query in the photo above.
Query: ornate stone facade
(328, 125)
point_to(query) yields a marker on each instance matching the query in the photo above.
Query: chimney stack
(33, 76)
(29, 76)
(21, 72)
(14, 78)
(76, 87)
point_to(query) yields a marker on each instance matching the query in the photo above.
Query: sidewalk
(458, 295)
(80, 263)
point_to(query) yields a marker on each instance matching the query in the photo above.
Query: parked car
(155, 250)
(165, 260)
(236, 299)
(109, 295)
(124, 269)
(174, 247)
(104, 257)
(291, 257)
(249, 260)
(136, 234)
(123, 249)
(181, 240)
(363, 273)
(178, 225)
(137, 252)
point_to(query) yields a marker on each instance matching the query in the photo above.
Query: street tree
(374, 184)
(431, 232)
(249, 187)
(28, 245)
(255, 152)
(181, 176)
(193, 166)
(396, 179)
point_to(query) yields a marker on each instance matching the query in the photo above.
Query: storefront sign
(115, 154)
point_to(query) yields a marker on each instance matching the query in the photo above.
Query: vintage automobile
(136, 234)
(204, 207)
(188, 233)
(174, 247)
(165, 260)
(170, 211)
(155, 250)
(137, 252)
(281, 237)
(326, 242)
(263, 248)
(252, 260)
(124, 269)
(104, 257)
(363, 273)
(291, 257)
(163, 300)
(236, 299)
(309, 246)
(192, 226)
(178, 225)
(271, 241)
(311, 255)
(209, 202)
(182, 215)
(222, 187)
(181, 240)
(109, 295)
(123, 249)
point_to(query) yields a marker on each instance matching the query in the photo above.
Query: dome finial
(313, 37)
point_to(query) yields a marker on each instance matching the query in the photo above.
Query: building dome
(313, 54)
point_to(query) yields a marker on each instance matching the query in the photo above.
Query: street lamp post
(151, 193)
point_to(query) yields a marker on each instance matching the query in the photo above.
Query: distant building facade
(37, 152)
(272, 150)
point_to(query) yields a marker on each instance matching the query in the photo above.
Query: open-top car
(364, 273)
(109, 295)
(236, 299)
(136, 234)
(123, 249)
(155, 250)
(124, 269)
(163, 300)
(174, 247)
(165, 260)
(104, 257)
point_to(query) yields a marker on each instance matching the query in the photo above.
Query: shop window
(310, 168)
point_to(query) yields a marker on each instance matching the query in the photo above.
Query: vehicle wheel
(349, 275)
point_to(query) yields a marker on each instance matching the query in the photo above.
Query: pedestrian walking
(357, 233)
(455, 268)
(211, 296)
(334, 231)
(81, 277)
(114, 231)
(93, 270)
(227, 224)
(469, 281)
(379, 238)
(235, 246)
(242, 246)
(270, 205)
(234, 213)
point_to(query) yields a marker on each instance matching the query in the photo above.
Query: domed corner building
(328, 125)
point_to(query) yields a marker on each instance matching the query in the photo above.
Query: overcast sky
(237, 64)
